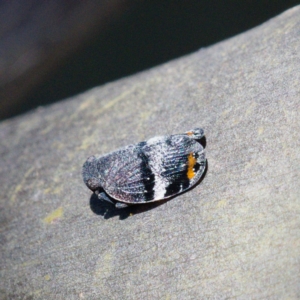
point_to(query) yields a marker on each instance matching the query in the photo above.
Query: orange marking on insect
(191, 163)
(189, 133)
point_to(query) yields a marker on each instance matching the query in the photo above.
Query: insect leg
(103, 197)
(121, 205)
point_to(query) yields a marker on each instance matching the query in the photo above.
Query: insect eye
(93, 184)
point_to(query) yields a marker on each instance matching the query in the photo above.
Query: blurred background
(51, 50)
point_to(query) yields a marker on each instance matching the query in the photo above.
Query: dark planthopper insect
(153, 170)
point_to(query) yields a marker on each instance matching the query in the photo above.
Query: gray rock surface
(236, 235)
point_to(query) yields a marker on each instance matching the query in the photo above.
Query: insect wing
(156, 169)
(129, 178)
(178, 163)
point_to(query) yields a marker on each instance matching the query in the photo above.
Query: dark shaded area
(108, 210)
(149, 33)
(202, 141)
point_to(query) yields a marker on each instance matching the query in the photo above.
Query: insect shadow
(108, 210)
(202, 141)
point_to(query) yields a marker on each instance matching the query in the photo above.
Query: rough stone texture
(236, 235)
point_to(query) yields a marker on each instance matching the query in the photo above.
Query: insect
(153, 170)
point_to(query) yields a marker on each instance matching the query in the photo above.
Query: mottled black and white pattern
(148, 171)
